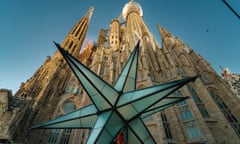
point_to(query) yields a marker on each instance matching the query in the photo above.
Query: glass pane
(147, 101)
(150, 112)
(148, 91)
(122, 78)
(194, 132)
(88, 110)
(125, 98)
(67, 124)
(199, 134)
(127, 111)
(100, 102)
(189, 134)
(119, 85)
(165, 101)
(115, 123)
(88, 121)
(140, 129)
(71, 115)
(132, 138)
(104, 137)
(93, 135)
(90, 89)
(101, 121)
(129, 85)
(110, 94)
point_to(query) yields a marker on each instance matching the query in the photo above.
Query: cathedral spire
(90, 12)
(74, 40)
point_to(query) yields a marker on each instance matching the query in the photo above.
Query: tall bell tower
(46, 87)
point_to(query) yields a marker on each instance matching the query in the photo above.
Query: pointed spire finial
(90, 11)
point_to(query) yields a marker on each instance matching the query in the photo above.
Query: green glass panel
(100, 102)
(104, 138)
(99, 84)
(125, 98)
(88, 110)
(129, 71)
(90, 75)
(101, 121)
(127, 111)
(66, 124)
(88, 87)
(133, 70)
(98, 127)
(93, 135)
(120, 82)
(72, 115)
(132, 139)
(148, 113)
(110, 94)
(139, 129)
(115, 123)
(89, 121)
(142, 104)
(165, 101)
(129, 85)
(97, 99)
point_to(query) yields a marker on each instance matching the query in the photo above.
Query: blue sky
(27, 29)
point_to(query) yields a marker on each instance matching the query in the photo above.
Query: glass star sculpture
(118, 108)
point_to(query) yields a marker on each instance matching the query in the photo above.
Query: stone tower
(47, 86)
(211, 114)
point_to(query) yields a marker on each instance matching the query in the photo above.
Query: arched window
(68, 107)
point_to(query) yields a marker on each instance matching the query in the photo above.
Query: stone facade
(10, 109)
(211, 114)
(232, 79)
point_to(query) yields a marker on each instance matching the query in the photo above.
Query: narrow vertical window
(102, 69)
(226, 111)
(198, 102)
(166, 125)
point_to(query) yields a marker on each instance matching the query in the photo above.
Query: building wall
(10, 113)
